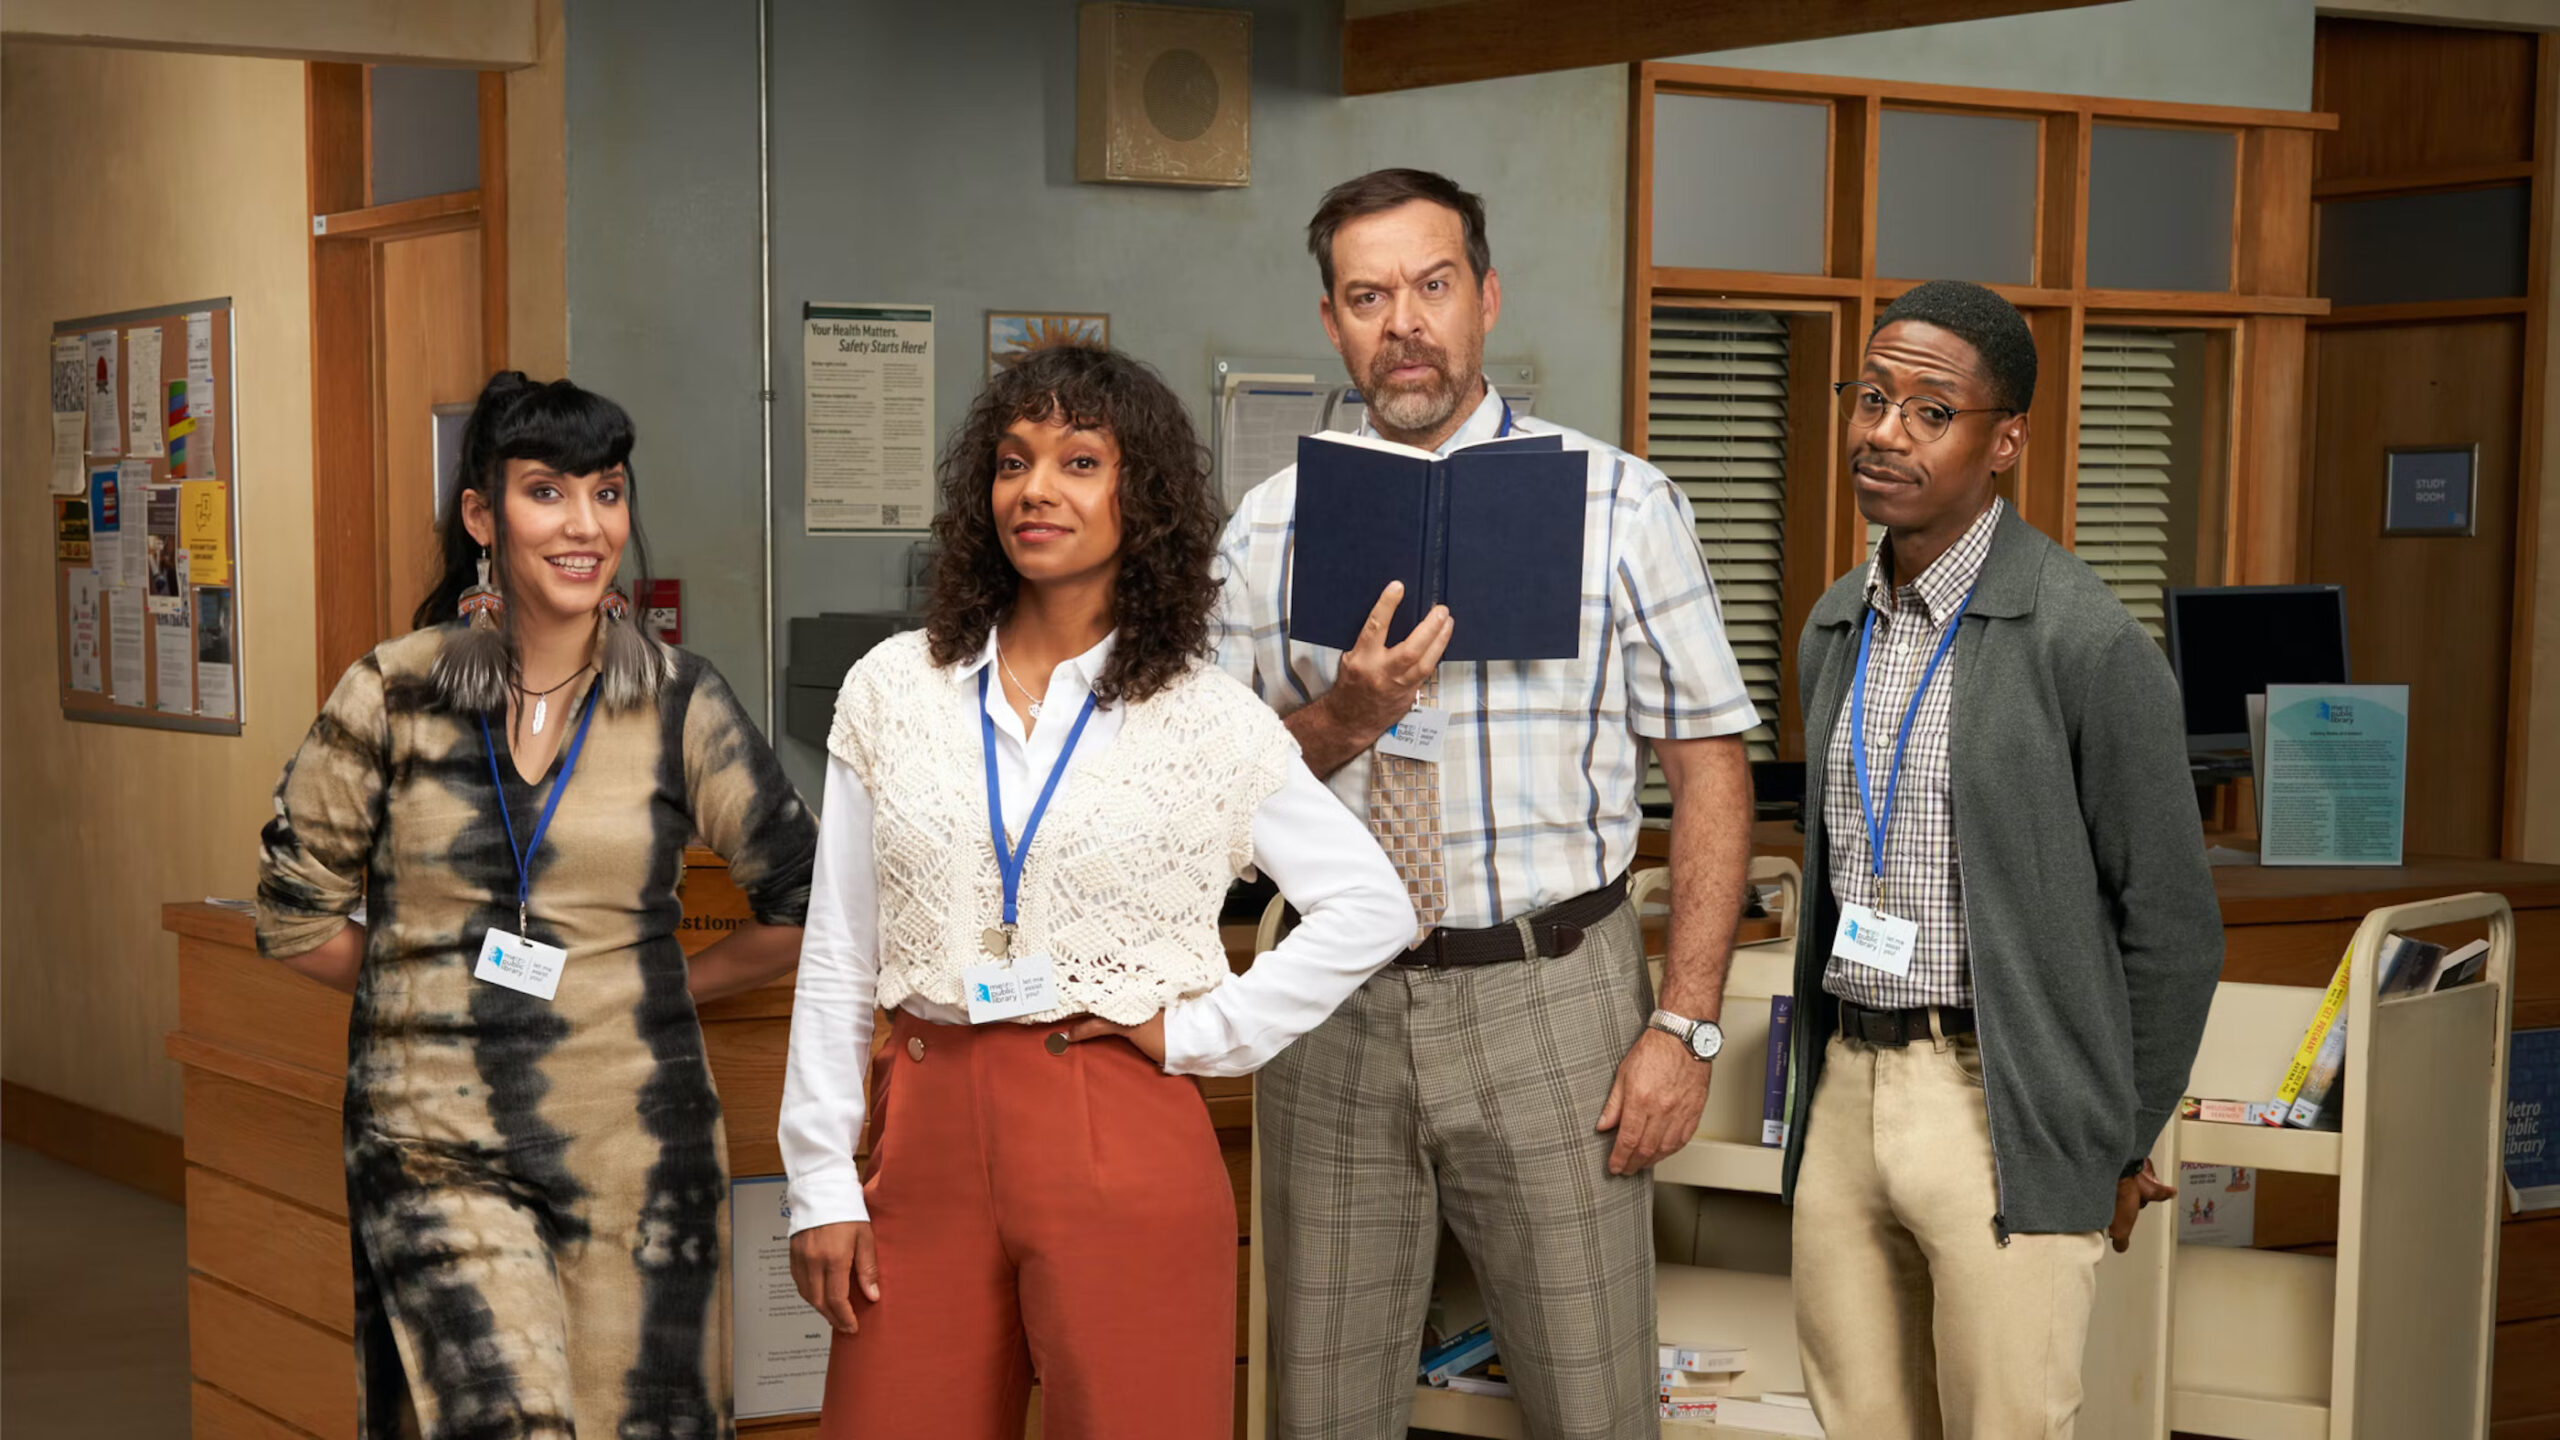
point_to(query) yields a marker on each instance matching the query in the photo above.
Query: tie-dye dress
(537, 1189)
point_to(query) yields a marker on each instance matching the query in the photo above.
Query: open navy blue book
(1493, 531)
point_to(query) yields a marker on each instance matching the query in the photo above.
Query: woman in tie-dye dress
(537, 1187)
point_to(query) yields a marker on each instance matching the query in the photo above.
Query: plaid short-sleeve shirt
(1543, 760)
(1922, 882)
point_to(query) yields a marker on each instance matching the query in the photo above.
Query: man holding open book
(1475, 623)
(2010, 939)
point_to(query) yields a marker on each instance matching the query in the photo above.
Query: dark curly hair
(1169, 516)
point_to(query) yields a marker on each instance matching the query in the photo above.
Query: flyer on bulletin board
(867, 430)
(204, 528)
(2337, 765)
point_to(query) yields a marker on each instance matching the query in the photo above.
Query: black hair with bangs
(574, 431)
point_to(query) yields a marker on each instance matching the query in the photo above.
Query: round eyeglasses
(1923, 419)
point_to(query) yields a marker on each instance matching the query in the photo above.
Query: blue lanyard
(1506, 421)
(1877, 821)
(542, 827)
(1009, 861)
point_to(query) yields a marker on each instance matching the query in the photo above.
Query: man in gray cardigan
(2011, 938)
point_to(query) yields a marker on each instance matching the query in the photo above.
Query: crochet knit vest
(1129, 868)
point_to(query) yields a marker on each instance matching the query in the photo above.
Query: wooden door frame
(353, 610)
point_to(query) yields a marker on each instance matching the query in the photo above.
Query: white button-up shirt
(1356, 917)
(1544, 760)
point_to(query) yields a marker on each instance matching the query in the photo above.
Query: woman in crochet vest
(1034, 808)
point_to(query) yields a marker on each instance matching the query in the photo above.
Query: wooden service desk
(263, 1051)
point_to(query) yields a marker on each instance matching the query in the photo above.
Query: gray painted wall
(926, 155)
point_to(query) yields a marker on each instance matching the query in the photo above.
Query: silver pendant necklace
(1017, 683)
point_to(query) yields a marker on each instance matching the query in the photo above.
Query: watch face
(1706, 1040)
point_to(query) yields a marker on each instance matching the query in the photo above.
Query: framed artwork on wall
(1012, 334)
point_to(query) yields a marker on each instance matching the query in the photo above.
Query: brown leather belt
(1558, 930)
(1900, 1027)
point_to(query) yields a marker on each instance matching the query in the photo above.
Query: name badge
(1875, 940)
(1416, 736)
(1008, 992)
(520, 964)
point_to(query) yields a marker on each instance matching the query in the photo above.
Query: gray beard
(1415, 411)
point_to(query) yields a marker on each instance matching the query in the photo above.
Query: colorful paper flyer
(2337, 765)
(71, 530)
(106, 409)
(204, 527)
(160, 542)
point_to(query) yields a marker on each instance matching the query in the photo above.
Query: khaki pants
(1914, 1320)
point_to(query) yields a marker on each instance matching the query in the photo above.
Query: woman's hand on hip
(827, 1261)
(1147, 1034)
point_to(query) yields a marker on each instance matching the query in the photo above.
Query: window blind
(1716, 423)
(2120, 524)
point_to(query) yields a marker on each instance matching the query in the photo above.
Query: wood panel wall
(2430, 109)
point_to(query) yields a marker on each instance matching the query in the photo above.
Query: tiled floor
(93, 1306)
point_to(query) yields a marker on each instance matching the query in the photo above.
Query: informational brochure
(217, 690)
(2337, 765)
(779, 1344)
(199, 393)
(70, 416)
(83, 585)
(173, 657)
(867, 428)
(142, 390)
(128, 639)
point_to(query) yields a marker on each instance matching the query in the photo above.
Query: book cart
(2390, 1337)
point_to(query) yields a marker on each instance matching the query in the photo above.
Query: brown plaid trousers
(1467, 1095)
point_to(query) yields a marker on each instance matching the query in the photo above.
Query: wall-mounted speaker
(1164, 95)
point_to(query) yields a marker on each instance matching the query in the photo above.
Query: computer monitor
(2229, 643)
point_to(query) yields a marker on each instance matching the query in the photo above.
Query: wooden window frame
(2266, 308)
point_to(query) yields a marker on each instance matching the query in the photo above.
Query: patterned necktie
(1404, 813)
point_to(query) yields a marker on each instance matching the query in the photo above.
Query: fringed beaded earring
(630, 665)
(472, 671)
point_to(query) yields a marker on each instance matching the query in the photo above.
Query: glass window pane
(426, 132)
(2160, 208)
(1739, 184)
(1956, 198)
(2399, 249)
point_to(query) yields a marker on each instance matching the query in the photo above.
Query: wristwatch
(1703, 1037)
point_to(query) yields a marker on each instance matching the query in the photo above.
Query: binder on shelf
(1493, 531)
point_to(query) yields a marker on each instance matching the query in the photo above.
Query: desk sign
(779, 1344)
(2429, 490)
(2336, 763)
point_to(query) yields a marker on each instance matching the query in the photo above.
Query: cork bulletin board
(145, 513)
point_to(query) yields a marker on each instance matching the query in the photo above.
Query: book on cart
(1458, 1354)
(2333, 1005)
(1774, 1090)
(2533, 1110)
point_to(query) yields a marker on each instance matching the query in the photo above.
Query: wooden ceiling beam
(1458, 40)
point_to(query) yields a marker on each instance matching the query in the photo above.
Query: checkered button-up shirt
(1922, 882)
(1543, 760)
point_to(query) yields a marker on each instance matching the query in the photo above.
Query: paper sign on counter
(779, 1344)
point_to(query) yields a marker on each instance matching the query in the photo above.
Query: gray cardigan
(2089, 910)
